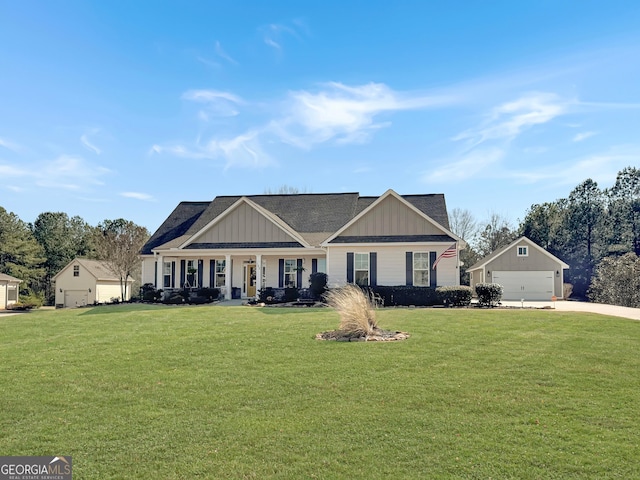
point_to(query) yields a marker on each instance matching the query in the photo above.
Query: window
(192, 269)
(12, 293)
(523, 251)
(290, 272)
(166, 274)
(322, 265)
(76, 270)
(421, 269)
(361, 268)
(221, 272)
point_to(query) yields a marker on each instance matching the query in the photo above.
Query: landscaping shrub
(489, 294)
(174, 299)
(457, 296)
(291, 294)
(210, 294)
(267, 295)
(356, 309)
(148, 293)
(404, 295)
(318, 284)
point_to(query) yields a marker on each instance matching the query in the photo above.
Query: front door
(251, 280)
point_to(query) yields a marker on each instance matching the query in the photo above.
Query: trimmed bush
(318, 284)
(458, 296)
(489, 294)
(210, 294)
(404, 295)
(291, 294)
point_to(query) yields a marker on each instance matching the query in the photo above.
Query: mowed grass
(237, 392)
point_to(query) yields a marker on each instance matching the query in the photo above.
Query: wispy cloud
(8, 171)
(224, 55)
(273, 34)
(70, 173)
(344, 113)
(583, 136)
(14, 147)
(334, 112)
(467, 166)
(510, 119)
(243, 150)
(84, 139)
(137, 196)
(217, 103)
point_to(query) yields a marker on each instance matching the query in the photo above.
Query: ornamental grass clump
(356, 309)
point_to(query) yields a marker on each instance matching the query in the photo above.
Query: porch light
(557, 273)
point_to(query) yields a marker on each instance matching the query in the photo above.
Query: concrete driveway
(571, 306)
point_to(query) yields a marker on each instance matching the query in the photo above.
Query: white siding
(107, 291)
(391, 263)
(148, 270)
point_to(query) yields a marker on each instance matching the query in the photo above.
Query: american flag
(450, 252)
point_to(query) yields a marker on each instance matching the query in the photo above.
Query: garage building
(525, 270)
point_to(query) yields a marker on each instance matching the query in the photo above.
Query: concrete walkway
(571, 306)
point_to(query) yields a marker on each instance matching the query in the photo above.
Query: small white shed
(87, 282)
(8, 290)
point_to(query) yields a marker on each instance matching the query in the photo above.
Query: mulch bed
(378, 336)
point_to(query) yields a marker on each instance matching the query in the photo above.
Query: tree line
(591, 230)
(36, 252)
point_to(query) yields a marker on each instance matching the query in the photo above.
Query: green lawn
(237, 392)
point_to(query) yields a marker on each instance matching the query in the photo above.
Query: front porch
(237, 275)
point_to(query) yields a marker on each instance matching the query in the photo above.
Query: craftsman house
(242, 244)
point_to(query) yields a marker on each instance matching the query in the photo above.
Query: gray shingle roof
(314, 216)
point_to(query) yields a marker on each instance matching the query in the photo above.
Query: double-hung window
(290, 272)
(361, 269)
(221, 272)
(76, 270)
(166, 274)
(421, 269)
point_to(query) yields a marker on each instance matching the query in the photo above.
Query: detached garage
(8, 290)
(87, 282)
(524, 269)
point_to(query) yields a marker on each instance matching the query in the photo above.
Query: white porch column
(159, 272)
(227, 277)
(258, 274)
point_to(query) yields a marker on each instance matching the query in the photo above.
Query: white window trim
(421, 269)
(166, 274)
(219, 274)
(292, 272)
(356, 270)
(525, 252)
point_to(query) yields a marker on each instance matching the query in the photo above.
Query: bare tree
(284, 190)
(497, 232)
(463, 223)
(118, 243)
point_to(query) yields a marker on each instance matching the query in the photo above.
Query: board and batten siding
(535, 261)
(391, 217)
(391, 263)
(244, 224)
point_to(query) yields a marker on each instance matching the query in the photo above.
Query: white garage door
(75, 298)
(527, 285)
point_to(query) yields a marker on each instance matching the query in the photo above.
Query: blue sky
(123, 109)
